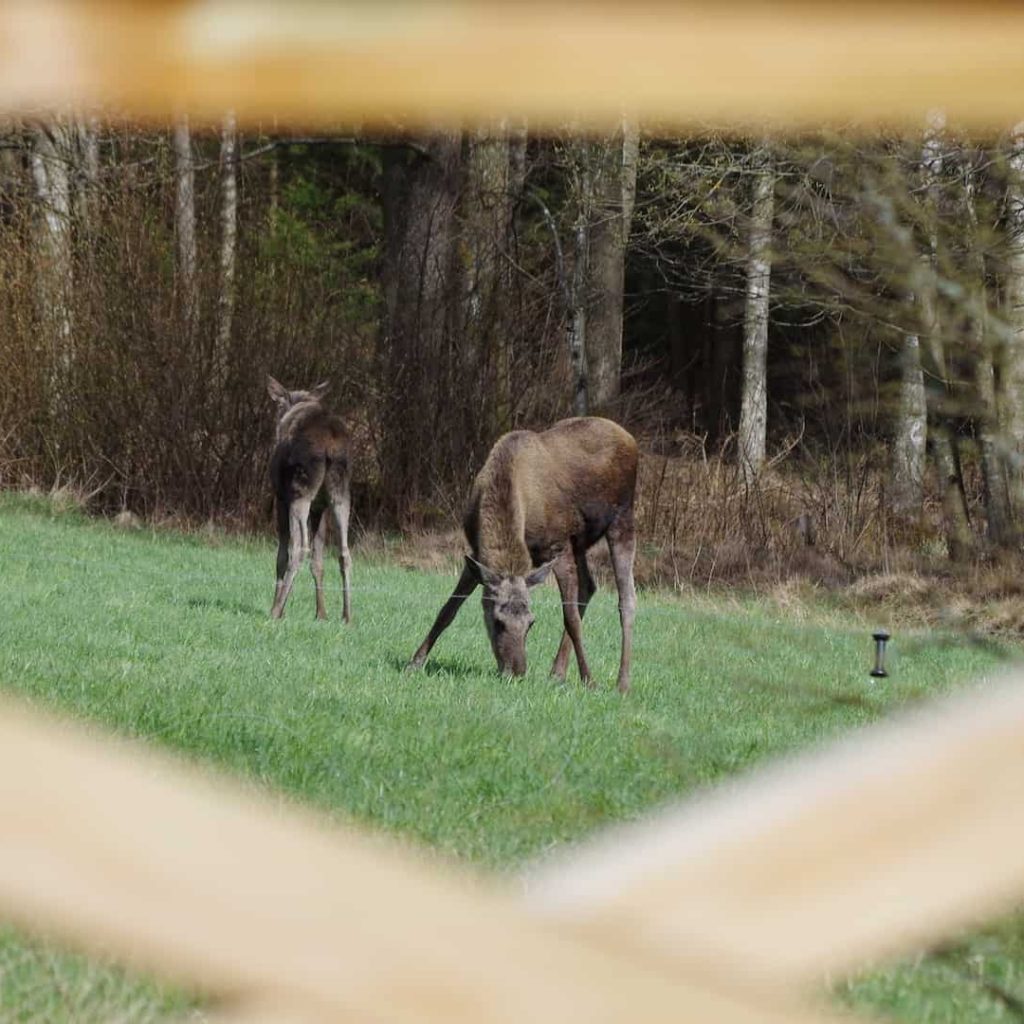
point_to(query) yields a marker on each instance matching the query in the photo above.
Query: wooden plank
(888, 840)
(125, 852)
(672, 63)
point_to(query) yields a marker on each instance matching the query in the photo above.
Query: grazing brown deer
(540, 501)
(311, 470)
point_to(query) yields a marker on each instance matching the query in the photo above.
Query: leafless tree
(753, 430)
(185, 225)
(228, 244)
(52, 159)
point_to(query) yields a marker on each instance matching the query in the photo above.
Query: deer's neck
(502, 528)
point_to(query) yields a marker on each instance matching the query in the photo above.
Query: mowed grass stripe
(168, 638)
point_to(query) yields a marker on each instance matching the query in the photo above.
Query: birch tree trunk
(228, 249)
(612, 187)
(959, 541)
(1012, 375)
(910, 444)
(754, 395)
(185, 225)
(980, 347)
(52, 159)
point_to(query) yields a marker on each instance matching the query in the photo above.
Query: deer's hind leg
(277, 609)
(293, 539)
(318, 528)
(576, 586)
(296, 539)
(339, 491)
(585, 588)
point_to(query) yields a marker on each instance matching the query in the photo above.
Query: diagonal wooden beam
(871, 847)
(310, 62)
(126, 852)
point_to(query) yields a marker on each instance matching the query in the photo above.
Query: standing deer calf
(310, 469)
(540, 501)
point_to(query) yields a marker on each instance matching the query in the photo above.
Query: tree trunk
(52, 159)
(612, 185)
(576, 320)
(421, 190)
(487, 221)
(507, 393)
(89, 171)
(980, 349)
(959, 541)
(911, 441)
(754, 398)
(228, 249)
(1012, 375)
(185, 225)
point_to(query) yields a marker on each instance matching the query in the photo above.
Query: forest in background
(818, 339)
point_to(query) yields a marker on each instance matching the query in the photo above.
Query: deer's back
(314, 445)
(537, 491)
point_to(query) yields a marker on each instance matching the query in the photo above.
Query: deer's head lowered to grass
(507, 615)
(539, 502)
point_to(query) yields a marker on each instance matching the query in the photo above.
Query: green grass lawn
(167, 638)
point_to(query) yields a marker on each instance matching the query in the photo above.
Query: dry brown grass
(810, 536)
(700, 525)
(807, 538)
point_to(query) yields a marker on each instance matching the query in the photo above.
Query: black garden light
(880, 638)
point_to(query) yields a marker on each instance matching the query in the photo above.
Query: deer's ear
(321, 389)
(481, 572)
(277, 391)
(540, 574)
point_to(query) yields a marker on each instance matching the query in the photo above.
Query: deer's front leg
(466, 585)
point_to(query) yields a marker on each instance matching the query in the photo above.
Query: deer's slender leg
(318, 528)
(466, 585)
(586, 592)
(341, 507)
(277, 608)
(622, 546)
(567, 574)
(298, 546)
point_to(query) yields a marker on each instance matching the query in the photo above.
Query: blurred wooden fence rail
(439, 60)
(727, 910)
